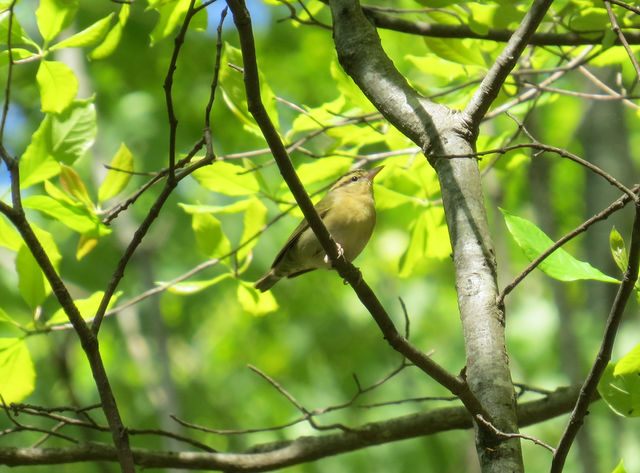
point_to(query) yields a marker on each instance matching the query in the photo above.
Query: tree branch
(278, 455)
(346, 270)
(420, 28)
(588, 390)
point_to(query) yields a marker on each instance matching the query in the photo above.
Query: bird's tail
(267, 281)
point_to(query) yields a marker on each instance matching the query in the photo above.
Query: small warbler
(348, 211)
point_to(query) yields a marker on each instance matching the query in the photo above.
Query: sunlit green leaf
(618, 249)
(192, 287)
(18, 35)
(17, 375)
(112, 38)
(232, 83)
(31, 282)
(119, 174)
(209, 235)
(64, 137)
(255, 302)
(58, 86)
(629, 364)
(227, 178)
(254, 219)
(9, 237)
(55, 15)
(76, 215)
(85, 245)
(622, 392)
(16, 54)
(619, 468)
(560, 264)
(87, 307)
(72, 183)
(236, 207)
(88, 37)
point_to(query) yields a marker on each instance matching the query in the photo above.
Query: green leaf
(254, 220)
(227, 178)
(618, 249)
(560, 264)
(255, 302)
(53, 16)
(456, 50)
(64, 137)
(619, 468)
(18, 35)
(9, 238)
(236, 207)
(629, 364)
(87, 307)
(232, 84)
(428, 239)
(622, 392)
(85, 245)
(72, 183)
(74, 215)
(209, 235)
(17, 54)
(17, 376)
(192, 287)
(74, 131)
(112, 39)
(31, 281)
(87, 37)
(118, 177)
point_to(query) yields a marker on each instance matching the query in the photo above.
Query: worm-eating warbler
(348, 211)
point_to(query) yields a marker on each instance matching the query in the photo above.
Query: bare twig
(603, 215)
(615, 27)
(345, 269)
(509, 436)
(588, 390)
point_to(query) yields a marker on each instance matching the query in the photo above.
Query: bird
(347, 210)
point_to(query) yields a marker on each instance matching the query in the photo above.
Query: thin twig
(623, 40)
(499, 433)
(603, 215)
(588, 390)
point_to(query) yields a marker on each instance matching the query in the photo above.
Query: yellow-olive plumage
(348, 211)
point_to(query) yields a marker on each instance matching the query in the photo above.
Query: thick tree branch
(420, 28)
(268, 457)
(442, 133)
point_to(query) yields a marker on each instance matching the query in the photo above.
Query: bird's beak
(371, 174)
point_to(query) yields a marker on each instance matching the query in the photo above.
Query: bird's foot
(340, 253)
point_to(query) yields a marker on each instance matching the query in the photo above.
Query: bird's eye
(354, 178)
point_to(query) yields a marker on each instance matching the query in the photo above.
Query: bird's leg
(340, 252)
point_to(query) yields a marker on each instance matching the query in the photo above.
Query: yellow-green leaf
(119, 174)
(58, 86)
(255, 302)
(17, 376)
(72, 183)
(87, 37)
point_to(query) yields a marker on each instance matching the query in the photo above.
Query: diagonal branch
(588, 390)
(455, 384)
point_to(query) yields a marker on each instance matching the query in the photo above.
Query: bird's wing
(294, 238)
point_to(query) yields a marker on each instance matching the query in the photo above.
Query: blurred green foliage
(88, 91)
